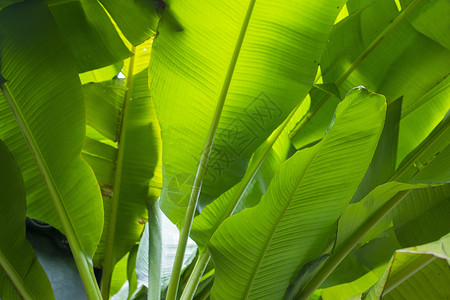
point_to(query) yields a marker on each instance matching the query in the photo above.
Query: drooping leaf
(44, 93)
(416, 273)
(21, 275)
(268, 81)
(43, 106)
(259, 250)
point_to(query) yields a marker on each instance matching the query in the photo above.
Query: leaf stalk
(108, 262)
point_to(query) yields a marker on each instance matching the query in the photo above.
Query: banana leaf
(377, 46)
(89, 34)
(416, 273)
(43, 106)
(235, 69)
(259, 250)
(21, 274)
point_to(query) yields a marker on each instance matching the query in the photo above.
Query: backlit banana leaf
(43, 106)
(249, 190)
(89, 33)
(411, 168)
(383, 164)
(127, 115)
(420, 272)
(423, 217)
(49, 110)
(376, 46)
(362, 221)
(259, 250)
(431, 10)
(259, 83)
(18, 262)
(208, 221)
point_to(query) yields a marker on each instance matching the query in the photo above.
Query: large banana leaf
(365, 220)
(89, 33)
(377, 47)
(420, 272)
(139, 169)
(129, 174)
(260, 84)
(21, 275)
(259, 250)
(43, 101)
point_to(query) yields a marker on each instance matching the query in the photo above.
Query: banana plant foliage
(240, 121)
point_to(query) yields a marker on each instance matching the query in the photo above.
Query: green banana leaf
(361, 268)
(365, 49)
(44, 102)
(21, 275)
(101, 157)
(411, 168)
(420, 218)
(205, 224)
(259, 250)
(259, 83)
(423, 217)
(367, 219)
(420, 272)
(136, 19)
(383, 164)
(129, 172)
(435, 11)
(89, 34)
(315, 128)
(104, 104)
(249, 191)
(5, 3)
